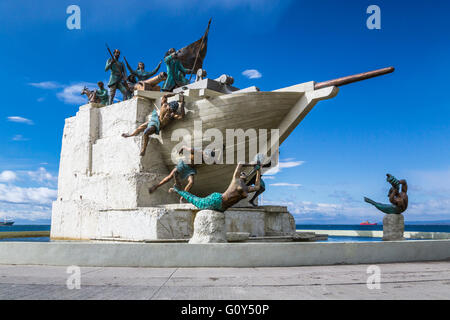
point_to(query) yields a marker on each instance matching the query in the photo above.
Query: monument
(104, 179)
(103, 182)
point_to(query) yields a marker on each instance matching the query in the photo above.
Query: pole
(353, 78)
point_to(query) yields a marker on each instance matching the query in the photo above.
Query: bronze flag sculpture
(193, 55)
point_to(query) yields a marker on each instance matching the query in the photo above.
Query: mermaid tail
(211, 202)
(386, 208)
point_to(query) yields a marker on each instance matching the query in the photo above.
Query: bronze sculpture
(252, 181)
(91, 95)
(236, 191)
(139, 74)
(398, 199)
(193, 55)
(102, 93)
(96, 96)
(152, 83)
(175, 71)
(168, 112)
(184, 170)
(117, 79)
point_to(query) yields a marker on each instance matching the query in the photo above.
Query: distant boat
(367, 223)
(6, 222)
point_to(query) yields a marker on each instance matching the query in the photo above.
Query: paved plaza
(424, 280)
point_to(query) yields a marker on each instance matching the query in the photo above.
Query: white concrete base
(269, 254)
(209, 227)
(237, 236)
(82, 220)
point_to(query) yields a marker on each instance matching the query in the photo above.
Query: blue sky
(397, 123)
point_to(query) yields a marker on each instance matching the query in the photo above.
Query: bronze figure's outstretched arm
(257, 185)
(128, 66)
(155, 70)
(404, 185)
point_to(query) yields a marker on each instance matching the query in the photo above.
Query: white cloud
(29, 212)
(30, 202)
(283, 164)
(7, 176)
(20, 120)
(41, 175)
(14, 194)
(70, 94)
(252, 74)
(19, 137)
(286, 184)
(47, 85)
(290, 164)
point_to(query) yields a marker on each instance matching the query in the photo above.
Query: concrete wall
(284, 254)
(379, 233)
(101, 170)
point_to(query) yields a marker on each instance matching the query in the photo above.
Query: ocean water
(36, 239)
(411, 227)
(23, 227)
(45, 227)
(421, 228)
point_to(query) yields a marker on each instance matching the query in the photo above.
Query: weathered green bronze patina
(140, 74)
(398, 199)
(175, 72)
(102, 93)
(117, 79)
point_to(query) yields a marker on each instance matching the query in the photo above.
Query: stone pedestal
(85, 220)
(209, 227)
(393, 227)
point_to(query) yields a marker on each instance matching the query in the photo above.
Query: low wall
(379, 233)
(269, 254)
(24, 234)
